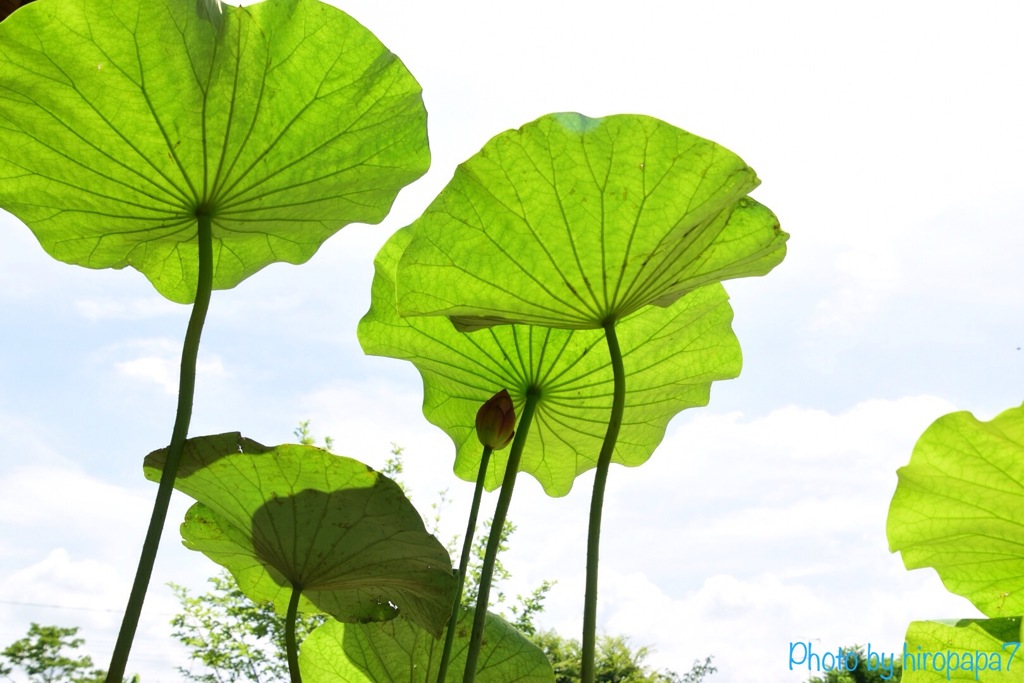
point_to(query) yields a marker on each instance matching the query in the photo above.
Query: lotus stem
(289, 634)
(186, 393)
(604, 459)
(467, 548)
(497, 524)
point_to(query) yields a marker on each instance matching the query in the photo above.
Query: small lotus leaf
(298, 516)
(400, 651)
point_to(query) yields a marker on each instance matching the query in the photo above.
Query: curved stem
(497, 524)
(467, 547)
(186, 392)
(597, 503)
(289, 634)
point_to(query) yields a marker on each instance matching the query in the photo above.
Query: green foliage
(44, 656)
(617, 661)
(399, 651)
(529, 607)
(198, 144)
(305, 438)
(521, 612)
(972, 650)
(697, 672)
(575, 224)
(123, 121)
(672, 356)
(236, 640)
(958, 507)
(470, 591)
(572, 222)
(299, 517)
(239, 641)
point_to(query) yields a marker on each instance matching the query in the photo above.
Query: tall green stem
(597, 504)
(186, 393)
(467, 548)
(289, 634)
(497, 524)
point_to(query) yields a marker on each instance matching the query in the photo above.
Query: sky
(887, 139)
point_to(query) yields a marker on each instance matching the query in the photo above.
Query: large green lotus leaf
(571, 221)
(966, 650)
(671, 355)
(298, 516)
(121, 121)
(959, 507)
(400, 651)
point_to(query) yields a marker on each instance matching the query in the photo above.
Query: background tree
(44, 656)
(236, 640)
(861, 674)
(617, 661)
(239, 641)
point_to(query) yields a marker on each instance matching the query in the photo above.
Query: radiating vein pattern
(570, 222)
(285, 123)
(672, 355)
(959, 508)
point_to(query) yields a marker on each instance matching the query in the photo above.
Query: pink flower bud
(496, 421)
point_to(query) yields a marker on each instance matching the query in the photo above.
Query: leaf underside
(122, 121)
(671, 356)
(966, 650)
(400, 651)
(299, 516)
(571, 221)
(959, 507)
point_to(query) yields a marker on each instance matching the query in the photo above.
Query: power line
(39, 604)
(83, 609)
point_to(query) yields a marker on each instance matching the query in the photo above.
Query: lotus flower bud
(496, 421)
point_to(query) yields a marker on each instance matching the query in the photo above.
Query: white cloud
(40, 494)
(129, 308)
(749, 624)
(59, 506)
(365, 418)
(742, 535)
(159, 361)
(866, 277)
(70, 547)
(64, 590)
(88, 584)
